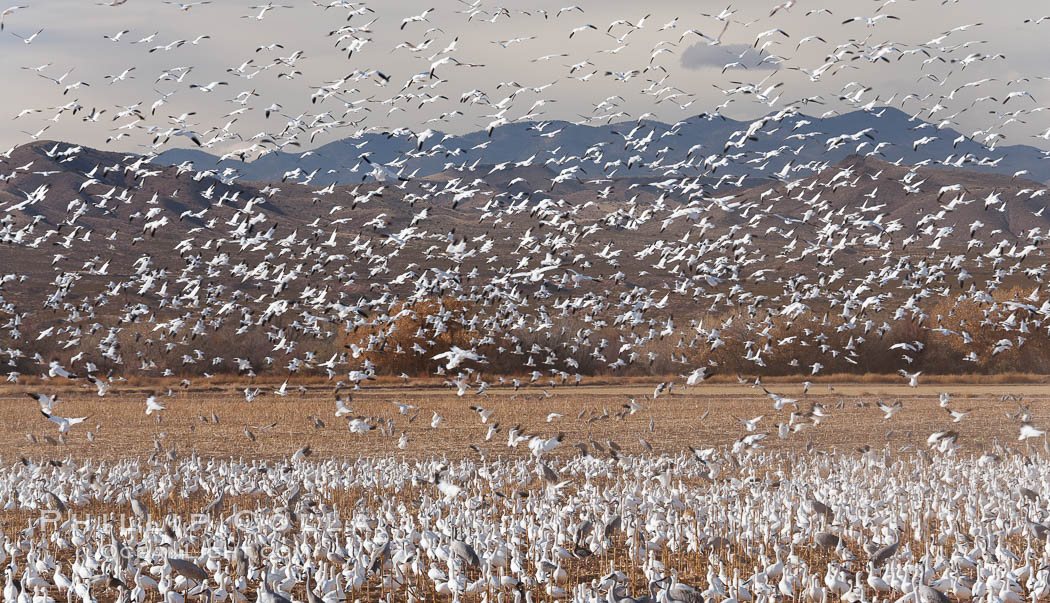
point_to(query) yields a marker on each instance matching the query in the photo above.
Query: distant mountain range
(870, 192)
(801, 138)
(139, 236)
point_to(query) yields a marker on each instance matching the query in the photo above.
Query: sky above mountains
(675, 63)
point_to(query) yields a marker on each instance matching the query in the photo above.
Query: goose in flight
(403, 408)
(263, 9)
(63, 423)
(46, 402)
(116, 37)
(483, 414)
(1029, 431)
(871, 21)
(417, 18)
(7, 12)
(381, 173)
(779, 402)
(913, 378)
(186, 6)
(766, 34)
(750, 424)
(210, 87)
(101, 385)
(341, 409)
(56, 370)
(152, 405)
(28, 40)
(456, 355)
(783, 6)
(889, 410)
(577, 30)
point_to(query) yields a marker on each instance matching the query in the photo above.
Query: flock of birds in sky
(680, 253)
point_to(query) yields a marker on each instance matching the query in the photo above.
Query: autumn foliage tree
(407, 340)
(1001, 332)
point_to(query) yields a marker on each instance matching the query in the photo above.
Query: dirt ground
(122, 429)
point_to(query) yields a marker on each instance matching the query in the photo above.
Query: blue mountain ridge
(517, 142)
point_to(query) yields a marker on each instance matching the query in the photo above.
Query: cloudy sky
(499, 52)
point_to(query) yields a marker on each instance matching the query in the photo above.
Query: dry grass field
(121, 428)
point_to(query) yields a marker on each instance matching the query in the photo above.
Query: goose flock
(521, 198)
(702, 525)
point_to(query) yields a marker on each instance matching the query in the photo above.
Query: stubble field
(707, 502)
(701, 417)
